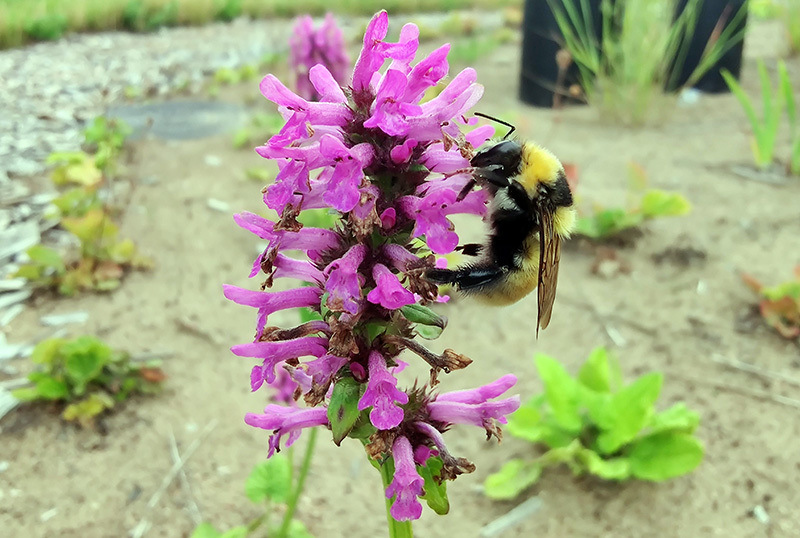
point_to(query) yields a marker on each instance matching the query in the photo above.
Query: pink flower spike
(389, 112)
(343, 283)
(324, 82)
(388, 292)
(271, 302)
(278, 351)
(347, 173)
(370, 59)
(304, 270)
(473, 406)
(480, 394)
(286, 420)
(402, 153)
(388, 218)
(407, 483)
(428, 72)
(382, 395)
(400, 257)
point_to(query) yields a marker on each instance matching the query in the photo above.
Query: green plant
(272, 483)
(779, 305)
(103, 257)
(790, 15)
(229, 10)
(595, 424)
(47, 27)
(604, 223)
(765, 130)
(86, 377)
(619, 75)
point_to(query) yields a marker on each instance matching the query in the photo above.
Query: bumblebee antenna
(498, 120)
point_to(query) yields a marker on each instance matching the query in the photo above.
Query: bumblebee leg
(466, 278)
(470, 249)
(465, 191)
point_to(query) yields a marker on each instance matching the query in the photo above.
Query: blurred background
(127, 130)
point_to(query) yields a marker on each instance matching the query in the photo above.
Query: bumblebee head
(506, 154)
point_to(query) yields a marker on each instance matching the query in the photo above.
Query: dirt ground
(673, 316)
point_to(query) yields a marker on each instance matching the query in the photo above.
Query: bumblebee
(530, 213)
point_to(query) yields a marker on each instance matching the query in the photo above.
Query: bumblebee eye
(507, 154)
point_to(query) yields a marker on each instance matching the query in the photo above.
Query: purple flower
(276, 352)
(407, 483)
(473, 406)
(269, 303)
(344, 281)
(309, 47)
(344, 177)
(389, 111)
(381, 162)
(430, 213)
(286, 421)
(388, 291)
(376, 51)
(382, 395)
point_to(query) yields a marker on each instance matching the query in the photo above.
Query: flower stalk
(391, 166)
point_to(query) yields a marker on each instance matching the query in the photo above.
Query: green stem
(397, 529)
(294, 496)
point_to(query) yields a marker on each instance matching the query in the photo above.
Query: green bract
(596, 424)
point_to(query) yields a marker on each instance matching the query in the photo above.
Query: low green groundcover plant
(596, 425)
(86, 377)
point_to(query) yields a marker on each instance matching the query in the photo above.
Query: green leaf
(665, 455)
(87, 409)
(600, 372)
(51, 388)
(206, 530)
(306, 315)
(561, 392)
(607, 469)
(435, 493)
(678, 417)
(512, 479)
(416, 313)
(26, 394)
(656, 203)
(47, 257)
(296, 530)
(629, 411)
(270, 479)
(47, 351)
(84, 360)
(343, 409)
(526, 423)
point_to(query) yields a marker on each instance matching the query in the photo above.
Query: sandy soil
(673, 317)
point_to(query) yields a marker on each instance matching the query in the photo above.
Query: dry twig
(144, 524)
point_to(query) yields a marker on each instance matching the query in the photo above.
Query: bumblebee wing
(549, 257)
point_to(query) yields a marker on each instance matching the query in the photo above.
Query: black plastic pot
(541, 41)
(714, 16)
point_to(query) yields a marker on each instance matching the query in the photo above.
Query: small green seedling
(271, 484)
(779, 305)
(605, 223)
(596, 425)
(86, 377)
